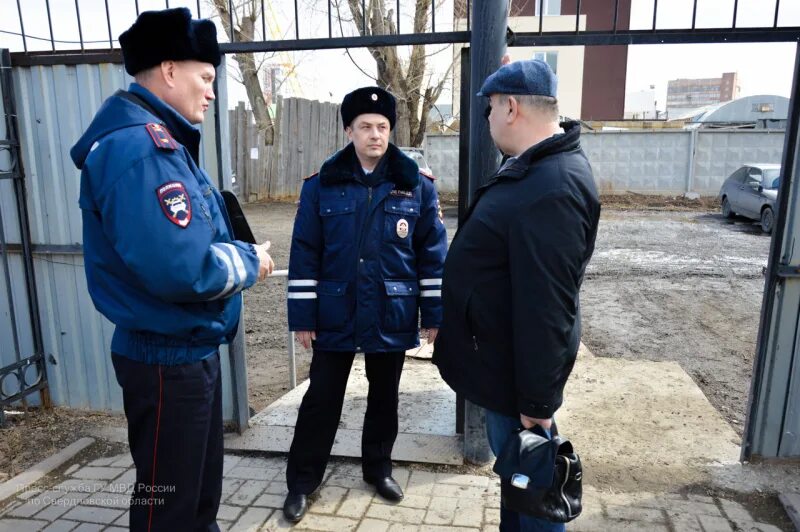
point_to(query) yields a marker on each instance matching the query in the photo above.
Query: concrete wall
(649, 162)
(441, 152)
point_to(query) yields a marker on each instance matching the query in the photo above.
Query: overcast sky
(328, 75)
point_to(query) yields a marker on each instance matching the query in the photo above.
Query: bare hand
(265, 262)
(305, 337)
(529, 422)
(432, 333)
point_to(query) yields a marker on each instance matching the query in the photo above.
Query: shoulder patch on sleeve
(310, 176)
(161, 137)
(174, 201)
(427, 174)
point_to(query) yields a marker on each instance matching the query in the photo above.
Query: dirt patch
(638, 202)
(265, 311)
(681, 286)
(32, 436)
(675, 282)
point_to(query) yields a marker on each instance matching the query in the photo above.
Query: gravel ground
(670, 280)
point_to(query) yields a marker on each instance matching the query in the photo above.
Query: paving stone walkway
(93, 496)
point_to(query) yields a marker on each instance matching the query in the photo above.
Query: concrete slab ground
(427, 418)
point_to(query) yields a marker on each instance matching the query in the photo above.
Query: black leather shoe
(388, 488)
(295, 507)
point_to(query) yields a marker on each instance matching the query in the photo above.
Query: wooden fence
(306, 133)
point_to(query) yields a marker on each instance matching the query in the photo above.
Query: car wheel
(767, 220)
(726, 208)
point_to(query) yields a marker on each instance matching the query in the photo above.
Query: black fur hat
(166, 35)
(369, 100)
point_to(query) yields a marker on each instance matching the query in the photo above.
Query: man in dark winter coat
(366, 261)
(511, 313)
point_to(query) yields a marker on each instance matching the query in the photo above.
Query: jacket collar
(178, 126)
(568, 141)
(400, 168)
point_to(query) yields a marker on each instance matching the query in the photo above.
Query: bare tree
(403, 78)
(245, 16)
(406, 78)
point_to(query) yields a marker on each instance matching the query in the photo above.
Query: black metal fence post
(487, 46)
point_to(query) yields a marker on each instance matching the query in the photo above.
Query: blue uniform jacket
(160, 262)
(366, 261)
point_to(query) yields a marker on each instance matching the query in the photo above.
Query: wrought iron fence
(618, 31)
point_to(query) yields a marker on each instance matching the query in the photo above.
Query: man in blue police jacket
(162, 266)
(366, 260)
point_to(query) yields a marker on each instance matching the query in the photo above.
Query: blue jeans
(498, 430)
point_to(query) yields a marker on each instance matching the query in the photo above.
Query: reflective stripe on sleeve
(221, 255)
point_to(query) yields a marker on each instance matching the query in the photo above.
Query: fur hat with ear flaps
(168, 35)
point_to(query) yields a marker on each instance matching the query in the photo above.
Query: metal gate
(23, 370)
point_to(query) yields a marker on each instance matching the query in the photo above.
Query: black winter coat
(511, 322)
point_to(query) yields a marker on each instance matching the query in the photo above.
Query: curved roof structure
(747, 109)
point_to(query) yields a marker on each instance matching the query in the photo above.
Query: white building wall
(640, 105)
(570, 60)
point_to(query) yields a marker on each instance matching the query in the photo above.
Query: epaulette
(310, 176)
(427, 174)
(161, 137)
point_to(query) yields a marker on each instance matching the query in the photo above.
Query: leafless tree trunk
(413, 102)
(403, 78)
(244, 31)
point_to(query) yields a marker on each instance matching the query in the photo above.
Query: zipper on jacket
(359, 260)
(207, 216)
(475, 342)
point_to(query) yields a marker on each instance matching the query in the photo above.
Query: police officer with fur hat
(162, 265)
(366, 262)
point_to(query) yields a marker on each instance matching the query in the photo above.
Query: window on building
(763, 107)
(549, 7)
(551, 58)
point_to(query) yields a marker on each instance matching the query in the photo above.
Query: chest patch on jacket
(175, 203)
(402, 193)
(161, 137)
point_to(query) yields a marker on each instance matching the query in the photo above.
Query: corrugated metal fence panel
(55, 104)
(653, 161)
(719, 153)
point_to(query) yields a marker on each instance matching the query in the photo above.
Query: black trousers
(175, 434)
(321, 410)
